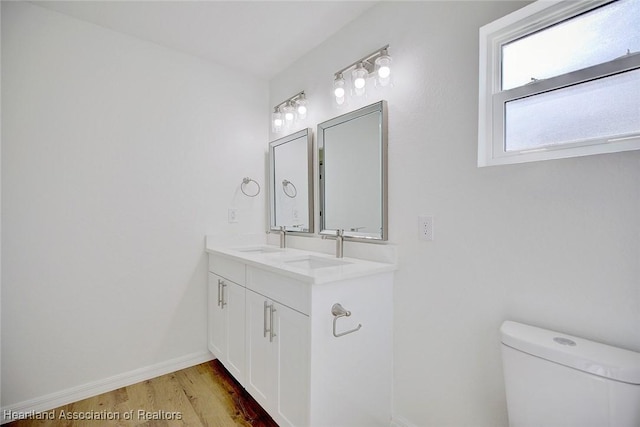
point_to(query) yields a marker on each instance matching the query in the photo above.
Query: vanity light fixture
(289, 113)
(359, 76)
(377, 64)
(286, 113)
(383, 67)
(276, 120)
(301, 107)
(338, 88)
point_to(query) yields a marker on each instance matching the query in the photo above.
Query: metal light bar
(368, 61)
(295, 97)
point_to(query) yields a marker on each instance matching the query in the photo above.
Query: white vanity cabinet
(226, 315)
(278, 345)
(278, 359)
(298, 360)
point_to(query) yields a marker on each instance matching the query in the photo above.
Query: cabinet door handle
(219, 292)
(264, 312)
(271, 333)
(224, 285)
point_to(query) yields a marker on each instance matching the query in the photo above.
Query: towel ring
(285, 184)
(246, 181)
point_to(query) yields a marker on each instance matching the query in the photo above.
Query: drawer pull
(222, 302)
(271, 333)
(264, 312)
(339, 311)
(271, 310)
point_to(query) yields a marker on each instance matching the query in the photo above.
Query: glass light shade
(383, 68)
(338, 89)
(301, 108)
(276, 121)
(289, 113)
(359, 77)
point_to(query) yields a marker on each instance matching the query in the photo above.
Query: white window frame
(492, 100)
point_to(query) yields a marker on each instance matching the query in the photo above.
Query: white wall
(118, 156)
(554, 244)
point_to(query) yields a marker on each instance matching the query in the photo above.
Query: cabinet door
(216, 316)
(260, 351)
(233, 296)
(293, 358)
(226, 324)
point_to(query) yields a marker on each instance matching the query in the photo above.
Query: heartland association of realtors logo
(140, 415)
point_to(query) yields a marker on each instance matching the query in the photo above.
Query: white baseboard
(73, 394)
(397, 421)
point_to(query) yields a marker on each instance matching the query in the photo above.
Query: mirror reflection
(291, 185)
(353, 173)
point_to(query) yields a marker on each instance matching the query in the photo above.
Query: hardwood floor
(203, 395)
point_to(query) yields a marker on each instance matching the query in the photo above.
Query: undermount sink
(260, 249)
(312, 262)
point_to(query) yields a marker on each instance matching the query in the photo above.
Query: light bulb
(359, 76)
(383, 65)
(288, 111)
(301, 107)
(302, 112)
(338, 89)
(276, 121)
(384, 72)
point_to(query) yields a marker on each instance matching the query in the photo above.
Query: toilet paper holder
(338, 311)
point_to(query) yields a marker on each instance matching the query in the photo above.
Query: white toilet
(557, 380)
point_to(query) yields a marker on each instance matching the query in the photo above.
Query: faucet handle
(340, 232)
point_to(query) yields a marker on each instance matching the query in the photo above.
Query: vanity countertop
(307, 266)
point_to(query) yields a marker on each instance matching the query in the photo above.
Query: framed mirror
(353, 173)
(291, 182)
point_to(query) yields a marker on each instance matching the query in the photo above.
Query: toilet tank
(557, 380)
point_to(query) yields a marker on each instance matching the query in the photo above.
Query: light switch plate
(232, 215)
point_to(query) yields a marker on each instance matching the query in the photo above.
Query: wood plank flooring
(203, 395)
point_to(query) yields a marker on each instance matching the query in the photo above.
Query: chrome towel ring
(246, 181)
(285, 184)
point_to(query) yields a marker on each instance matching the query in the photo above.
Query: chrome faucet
(339, 242)
(283, 237)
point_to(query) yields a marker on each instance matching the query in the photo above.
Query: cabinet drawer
(286, 291)
(227, 268)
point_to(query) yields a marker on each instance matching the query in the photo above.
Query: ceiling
(259, 37)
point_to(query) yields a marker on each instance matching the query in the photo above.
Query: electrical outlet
(425, 227)
(232, 215)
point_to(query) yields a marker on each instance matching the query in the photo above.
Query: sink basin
(260, 249)
(312, 262)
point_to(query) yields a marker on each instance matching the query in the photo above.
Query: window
(560, 79)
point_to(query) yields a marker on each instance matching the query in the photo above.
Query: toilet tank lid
(579, 353)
